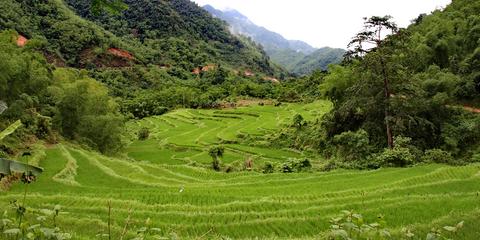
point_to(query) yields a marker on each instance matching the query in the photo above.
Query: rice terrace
(188, 119)
(158, 179)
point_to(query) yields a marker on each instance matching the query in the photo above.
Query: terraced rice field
(158, 179)
(184, 136)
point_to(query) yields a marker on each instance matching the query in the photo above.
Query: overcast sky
(321, 22)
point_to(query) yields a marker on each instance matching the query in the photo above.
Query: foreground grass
(158, 181)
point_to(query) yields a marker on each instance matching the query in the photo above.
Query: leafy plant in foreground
(353, 226)
(37, 228)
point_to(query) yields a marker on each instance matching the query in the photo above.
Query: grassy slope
(246, 204)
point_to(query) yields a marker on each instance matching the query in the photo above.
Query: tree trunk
(386, 89)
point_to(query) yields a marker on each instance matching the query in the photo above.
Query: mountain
(296, 56)
(320, 59)
(175, 33)
(271, 41)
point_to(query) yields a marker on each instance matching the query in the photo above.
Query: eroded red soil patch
(21, 41)
(120, 53)
(471, 109)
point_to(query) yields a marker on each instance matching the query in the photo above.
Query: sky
(324, 23)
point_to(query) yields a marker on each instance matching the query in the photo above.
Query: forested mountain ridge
(166, 33)
(271, 41)
(318, 60)
(296, 56)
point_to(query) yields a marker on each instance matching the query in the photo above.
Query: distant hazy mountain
(296, 56)
(320, 59)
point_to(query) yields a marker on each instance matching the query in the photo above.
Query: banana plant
(7, 167)
(9, 130)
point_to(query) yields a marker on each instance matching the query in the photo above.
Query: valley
(163, 179)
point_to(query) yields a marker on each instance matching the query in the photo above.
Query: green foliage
(298, 121)
(143, 133)
(268, 168)
(437, 156)
(337, 81)
(216, 152)
(401, 155)
(295, 165)
(111, 6)
(353, 147)
(42, 224)
(175, 33)
(407, 85)
(23, 72)
(88, 114)
(10, 129)
(352, 225)
(318, 60)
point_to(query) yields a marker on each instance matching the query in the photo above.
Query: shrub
(216, 164)
(437, 156)
(296, 165)
(229, 169)
(216, 152)
(353, 147)
(268, 168)
(287, 167)
(329, 166)
(298, 121)
(143, 134)
(395, 157)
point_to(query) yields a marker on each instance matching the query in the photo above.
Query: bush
(329, 166)
(143, 134)
(268, 168)
(287, 167)
(296, 165)
(216, 152)
(395, 157)
(353, 147)
(437, 156)
(298, 121)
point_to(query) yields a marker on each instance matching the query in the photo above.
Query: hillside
(158, 123)
(318, 60)
(271, 41)
(154, 32)
(296, 56)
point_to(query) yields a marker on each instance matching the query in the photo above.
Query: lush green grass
(240, 205)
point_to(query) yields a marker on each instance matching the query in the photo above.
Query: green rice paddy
(165, 179)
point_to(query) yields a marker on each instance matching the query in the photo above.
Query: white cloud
(324, 23)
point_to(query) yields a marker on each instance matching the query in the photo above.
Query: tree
(370, 41)
(87, 113)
